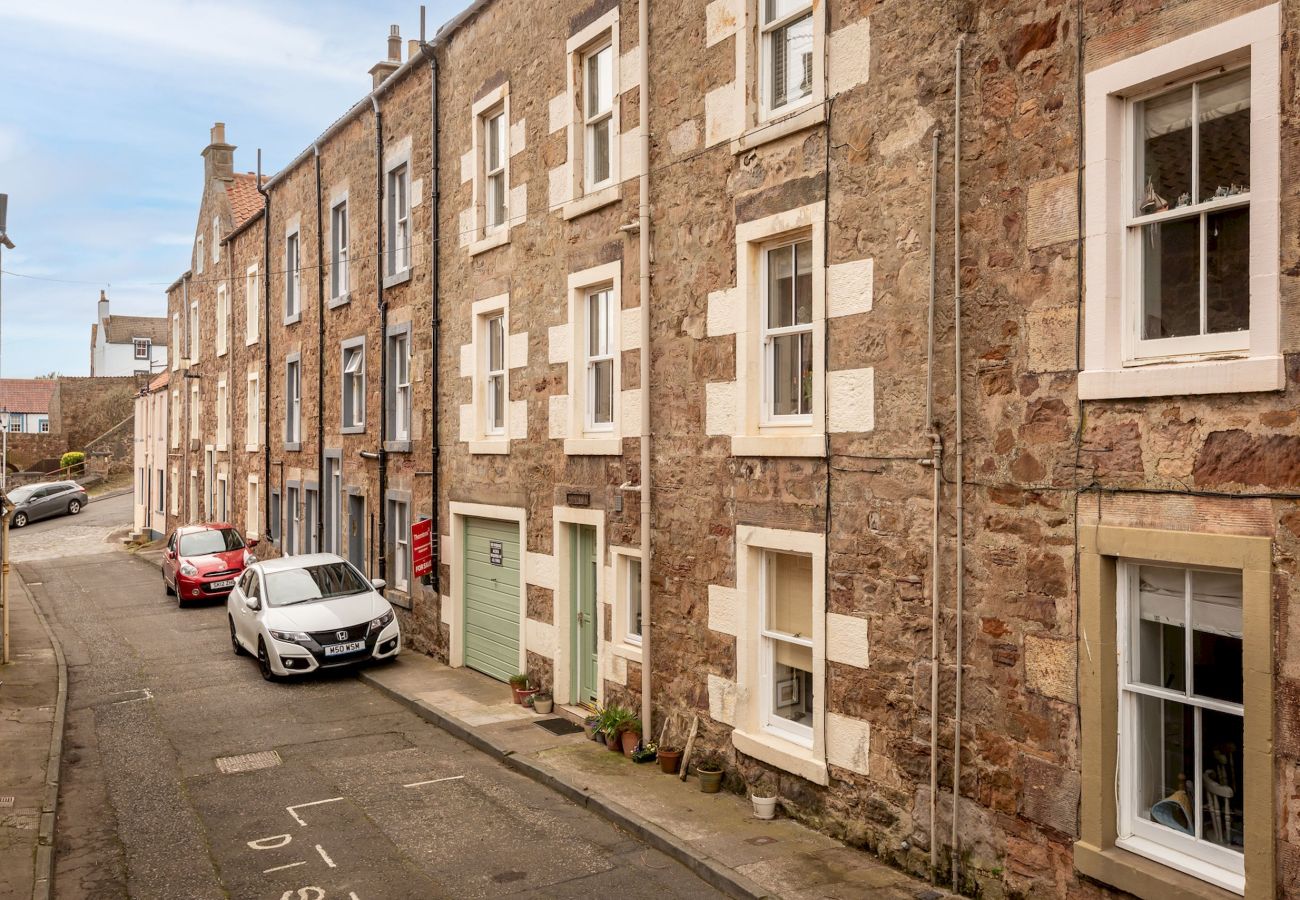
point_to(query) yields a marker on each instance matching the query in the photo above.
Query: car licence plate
(340, 649)
(219, 585)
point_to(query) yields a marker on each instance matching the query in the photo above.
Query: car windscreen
(18, 495)
(214, 540)
(319, 582)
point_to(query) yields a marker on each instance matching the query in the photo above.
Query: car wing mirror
(252, 542)
(378, 584)
(252, 603)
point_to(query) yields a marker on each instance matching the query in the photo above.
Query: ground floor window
(786, 662)
(399, 543)
(310, 538)
(292, 511)
(275, 515)
(633, 600)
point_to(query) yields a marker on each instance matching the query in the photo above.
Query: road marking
(145, 692)
(434, 781)
(325, 856)
(281, 868)
(297, 818)
(265, 843)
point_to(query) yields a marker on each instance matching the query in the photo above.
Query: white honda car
(302, 613)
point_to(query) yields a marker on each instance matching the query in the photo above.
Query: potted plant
(645, 753)
(589, 726)
(614, 718)
(519, 686)
(629, 736)
(709, 770)
(762, 793)
(543, 703)
(670, 760)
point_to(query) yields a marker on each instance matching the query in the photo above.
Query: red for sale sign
(422, 548)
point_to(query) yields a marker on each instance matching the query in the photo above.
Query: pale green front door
(582, 581)
(492, 597)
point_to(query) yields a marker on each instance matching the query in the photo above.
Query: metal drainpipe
(936, 464)
(435, 450)
(643, 264)
(960, 467)
(383, 338)
(266, 329)
(185, 389)
(320, 369)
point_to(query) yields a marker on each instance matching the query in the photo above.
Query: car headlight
(382, 621)
(187, 569)
(290, 637)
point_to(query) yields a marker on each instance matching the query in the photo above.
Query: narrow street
(185, 775)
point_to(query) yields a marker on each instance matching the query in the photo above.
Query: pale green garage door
(492, 597)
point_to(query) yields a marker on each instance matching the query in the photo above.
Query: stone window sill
(631, 652)
(293, 319)
(808, 445)
(292, 446)
(400, 278)
(352, 429)
(591, 202)
(1142, 877)
(340, 300)
(775, 129)
(497, 238)
(398, 598)
(610, 446)
(784, 755)
(251, 448)
(490, 446)
(397, 446)
(1211, 376)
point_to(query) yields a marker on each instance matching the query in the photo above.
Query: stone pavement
(33, 693)
(715, 835)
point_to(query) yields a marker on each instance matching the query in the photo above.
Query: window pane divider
(1213, 205)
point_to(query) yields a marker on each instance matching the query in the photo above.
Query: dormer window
(143, 346)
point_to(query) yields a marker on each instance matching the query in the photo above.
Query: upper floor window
(599, 327)
(252, 408)
(788, 332)
(1189, 218)
(143, 346)
(199, 246)
(251, 305)
(292, 264)
(399, 220)
(44, 425)
(598, 115)
(399, 387)
(194, 331)
(786, 36)
(216, 238)
(495, 143)
(495, 365)
(293, 402)
(354, 385)
(339, 250)
(222, 317)
(176, 353)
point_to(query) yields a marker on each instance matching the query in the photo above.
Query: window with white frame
(339, 250)
(494, 376)
(176, 419)
(1181, 765)
(199, 247)
(310, 508)
(786, 651)
(292, 518)
(354, 385)
(787, 332)
(398, 234)
(15, 422)
(44, 426)
(221, 413)
(1183, 175)
(222, 315)
(292, 280)
(786, 41)
(142, 347)
(293, 402)
(399, 543)
(274, 513)
(251, 305)
(252, 419)
(194, 412)
(496, 142)
(176, 353)
(598, 115)
(598, 326)
(223, 497)
(175, 491)
(399, 387)
(216, 239)
(194, 331)
(160, 491)
(251, 527)
(632, 597)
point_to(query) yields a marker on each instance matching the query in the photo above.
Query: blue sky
(104, 111)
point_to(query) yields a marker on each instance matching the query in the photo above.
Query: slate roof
(26, 395)
(124, 329)
(245, 201)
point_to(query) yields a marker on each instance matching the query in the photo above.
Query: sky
(104, 110)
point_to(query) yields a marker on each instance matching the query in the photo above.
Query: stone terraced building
(735, 394)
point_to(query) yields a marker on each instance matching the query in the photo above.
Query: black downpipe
(320, 368)
(266, 343)
(383, 340)
(434, 366)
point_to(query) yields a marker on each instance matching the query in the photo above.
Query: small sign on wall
(422, 548)
(495, 553)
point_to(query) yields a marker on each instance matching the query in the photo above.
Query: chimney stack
(218, 156)
(385, 67)
(103, 306)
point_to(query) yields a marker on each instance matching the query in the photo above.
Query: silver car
(41, 501)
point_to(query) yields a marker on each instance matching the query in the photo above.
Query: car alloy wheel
(20, 520)
(74, 507)
(264, 661)
(234, 641)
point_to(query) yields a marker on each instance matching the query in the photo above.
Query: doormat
(558, 726)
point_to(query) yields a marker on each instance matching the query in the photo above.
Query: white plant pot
(764, 807)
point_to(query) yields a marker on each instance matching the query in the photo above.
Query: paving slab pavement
(716, 835)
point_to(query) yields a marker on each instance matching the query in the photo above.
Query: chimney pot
(218, 133)
(395, 43)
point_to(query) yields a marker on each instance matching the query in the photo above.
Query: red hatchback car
(203, 561)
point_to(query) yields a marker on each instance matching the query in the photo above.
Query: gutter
(265, 191)
(320, 369)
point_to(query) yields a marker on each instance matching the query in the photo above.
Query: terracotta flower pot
(522, 693)
(629, 740)
(614, 743)
(710, 782)
(670, 761)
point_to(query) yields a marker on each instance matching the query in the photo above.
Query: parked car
(298, 614)
(203, 561)
(41, 501)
